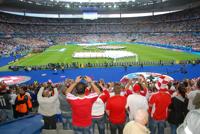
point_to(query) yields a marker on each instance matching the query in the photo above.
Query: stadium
(54, 45)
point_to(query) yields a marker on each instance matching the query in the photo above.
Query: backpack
(191, 123)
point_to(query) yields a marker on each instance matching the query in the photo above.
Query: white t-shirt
(135, 102)
(98, 108)
(191, 96)
(47, 105)
(13, 98)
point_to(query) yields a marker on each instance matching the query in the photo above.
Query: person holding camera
(81, 104)
(138, 85)
(47, 99)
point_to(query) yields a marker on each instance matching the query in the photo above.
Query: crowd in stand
(6, 47)
(92, 38)
(140, 105)
(181, 28)
(183, 40)
(21, 46)
(25, 45)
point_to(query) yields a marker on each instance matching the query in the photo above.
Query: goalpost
(135, 57)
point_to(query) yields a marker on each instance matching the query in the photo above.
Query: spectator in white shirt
(191, 95)
(48, 106)
(136, 101)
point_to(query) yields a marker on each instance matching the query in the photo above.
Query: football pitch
(63, 54)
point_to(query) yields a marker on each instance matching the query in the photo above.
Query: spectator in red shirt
(158, 108)
(81, 105)
(116, 111)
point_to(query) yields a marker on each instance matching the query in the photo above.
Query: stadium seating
(181, 28)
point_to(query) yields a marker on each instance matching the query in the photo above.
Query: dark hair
(117, 88)
(198, 84)
(141, 87)
(98, 86)
(80, 88)
(24, 88)
(185, 82)
(182, 89)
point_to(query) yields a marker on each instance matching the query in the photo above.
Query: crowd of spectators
(92, 38)
(17, 29)
(125, 106)
(6, 47)
(189, 17)
(23, 46)
(182, 40)
(181, 28)
(138, 105)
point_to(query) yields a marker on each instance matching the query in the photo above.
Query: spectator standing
(191, 95)
(65, 107)
(6, 112)
(191, 123)
(116, 110)
(136, 101)
(158, 107)
(59, 118)
(98, 109)
(196, 101)
(48, 106)
(178, 109)
(23, 103)
(81, 105)
(13, 96)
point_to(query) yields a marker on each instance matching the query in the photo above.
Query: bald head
(141, 116)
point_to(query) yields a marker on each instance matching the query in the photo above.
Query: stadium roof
(76, 8)
(95, 1)
(99, 1)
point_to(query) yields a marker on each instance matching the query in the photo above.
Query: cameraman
(81, 104)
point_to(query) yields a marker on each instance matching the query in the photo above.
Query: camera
(135, 79)
(83, 77)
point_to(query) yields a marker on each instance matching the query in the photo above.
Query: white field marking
(62, 50)
(56, 50)
(92, 44)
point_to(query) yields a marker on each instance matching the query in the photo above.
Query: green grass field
(145, 53)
